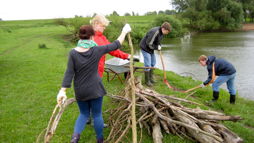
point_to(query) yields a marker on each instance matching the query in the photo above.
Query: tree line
(215, 15)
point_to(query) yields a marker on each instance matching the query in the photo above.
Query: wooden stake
(132, 93)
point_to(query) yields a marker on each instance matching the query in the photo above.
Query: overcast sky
(47, 9)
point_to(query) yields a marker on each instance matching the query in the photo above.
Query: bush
(176, 25)
(138, 32)
(42, 46)
(72, 25)
(114, 29)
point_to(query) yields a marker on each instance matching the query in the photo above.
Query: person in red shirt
(99, 23)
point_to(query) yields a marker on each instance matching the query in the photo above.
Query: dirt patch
(248, 27)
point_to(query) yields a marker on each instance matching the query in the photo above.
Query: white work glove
(61, 97)
(159, 47)
(202, 85)
(126, 28)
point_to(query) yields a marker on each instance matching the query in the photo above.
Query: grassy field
(30, 78)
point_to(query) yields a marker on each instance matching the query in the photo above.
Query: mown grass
(30, 78)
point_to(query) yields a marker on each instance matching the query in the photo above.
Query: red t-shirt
(101, 40)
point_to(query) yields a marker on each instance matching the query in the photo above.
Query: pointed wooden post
(132, 94)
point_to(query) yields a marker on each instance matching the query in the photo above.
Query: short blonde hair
(202, 58)
(99, 19)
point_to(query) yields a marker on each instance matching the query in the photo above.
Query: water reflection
(180, 56)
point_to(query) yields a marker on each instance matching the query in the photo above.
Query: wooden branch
(158, 110)
(194, 88)
(55, 118)
(132, 94)
(157, 136)
(203, 114)
(168, 97)
(124, 132)
(196, 130)
(164, 126)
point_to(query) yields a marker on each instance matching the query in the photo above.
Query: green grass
(31, 77)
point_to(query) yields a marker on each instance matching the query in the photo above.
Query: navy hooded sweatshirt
(222, 68)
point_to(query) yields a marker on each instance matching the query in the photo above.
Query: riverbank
(248, 27)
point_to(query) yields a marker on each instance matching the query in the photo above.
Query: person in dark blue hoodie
(226, 73)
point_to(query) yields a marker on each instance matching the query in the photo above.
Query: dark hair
(85, 32)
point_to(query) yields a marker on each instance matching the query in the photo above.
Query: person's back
(87, 82)
(223, 67)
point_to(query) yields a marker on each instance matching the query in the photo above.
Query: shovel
(165, 77)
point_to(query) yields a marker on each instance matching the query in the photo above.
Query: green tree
(133, 13)
(161, 12)
(207, 15)
(151, 13)
(127, 14)
(170, 12)
(248, 9)
(114, 14)
(180, 5)
(228, 13)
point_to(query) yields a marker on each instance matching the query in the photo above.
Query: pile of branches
(159, 113)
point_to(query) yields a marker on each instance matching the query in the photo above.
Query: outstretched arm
(116, 44)
(126, 29)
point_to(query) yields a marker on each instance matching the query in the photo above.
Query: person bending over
(226, 73)
(148, 44)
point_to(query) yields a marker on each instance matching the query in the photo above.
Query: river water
(181, 56)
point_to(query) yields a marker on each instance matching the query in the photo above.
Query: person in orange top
(99, 23)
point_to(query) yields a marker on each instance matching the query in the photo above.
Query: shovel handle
(199, 86)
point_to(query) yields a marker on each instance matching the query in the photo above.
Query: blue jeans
(149, 59)
(229, 79)
(95, 106)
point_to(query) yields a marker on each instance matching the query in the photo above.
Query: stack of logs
(156, 113)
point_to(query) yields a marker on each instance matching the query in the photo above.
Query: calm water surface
(180, 55)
